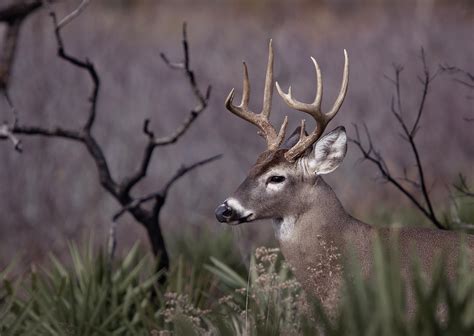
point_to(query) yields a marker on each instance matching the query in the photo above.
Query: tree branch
(54, 132)
(386, 175)
(464, 78)
(462, 187)
(85, 65)
(6, 133)
(153, 142)
(90, 142)
(163, 192)
(71, 16)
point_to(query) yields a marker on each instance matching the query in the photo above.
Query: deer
(312, 227)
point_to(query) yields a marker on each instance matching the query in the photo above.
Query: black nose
(224, 213)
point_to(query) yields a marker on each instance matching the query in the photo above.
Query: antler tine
(266, 130)
(342, 91)
(319, 84)
(268, 90)
(281, 133)
(245, 88)
(314, 109)
(241, 110)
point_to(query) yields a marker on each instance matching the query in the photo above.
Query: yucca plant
(191, 252)
(12, 317)
(89, 298)
(93, 297)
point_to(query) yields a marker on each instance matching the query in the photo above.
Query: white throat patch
(284, 228)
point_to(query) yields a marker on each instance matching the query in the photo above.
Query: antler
(314, 109)
(266, 130)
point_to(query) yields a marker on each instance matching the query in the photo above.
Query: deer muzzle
(226, 213)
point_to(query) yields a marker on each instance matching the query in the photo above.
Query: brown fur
(267, 160)
(324, 234)
(323, 231)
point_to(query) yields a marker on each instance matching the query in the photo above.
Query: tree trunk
(150, 220)
(158, 246)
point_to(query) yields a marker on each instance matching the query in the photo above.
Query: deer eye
(276, 179)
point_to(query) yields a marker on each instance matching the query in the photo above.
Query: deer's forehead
(268, 161)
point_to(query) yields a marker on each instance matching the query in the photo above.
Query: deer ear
(329, 152)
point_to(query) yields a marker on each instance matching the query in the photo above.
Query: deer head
(277, 183)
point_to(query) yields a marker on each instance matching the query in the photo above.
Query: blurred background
(50, 194)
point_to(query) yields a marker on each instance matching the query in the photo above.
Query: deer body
(314, 231)
(316, 241)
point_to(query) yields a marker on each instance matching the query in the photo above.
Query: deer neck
(319, 212)
(313, 240)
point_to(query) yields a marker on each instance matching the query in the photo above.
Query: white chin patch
(241, 211)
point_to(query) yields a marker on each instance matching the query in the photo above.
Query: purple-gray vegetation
(50, 194)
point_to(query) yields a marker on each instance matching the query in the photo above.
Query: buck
(286, 185)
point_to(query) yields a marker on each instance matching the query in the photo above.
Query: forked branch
(408, 133)
(462, 187)
(464, 78)
(153, 141)
(163, 192)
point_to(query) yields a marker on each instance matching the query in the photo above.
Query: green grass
(209, 292)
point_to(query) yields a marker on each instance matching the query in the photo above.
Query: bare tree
(148, 217)
(408, 133)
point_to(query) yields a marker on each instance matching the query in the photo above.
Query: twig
(456, 70)
(54, 132)
(154, 142)
(463, 188)
(6, 129)
(71, 16)
(5, 133)
(162, 193)
(408, 134)
(386, 175)
(85, 65)
(467, 80)
(89, 141)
